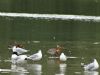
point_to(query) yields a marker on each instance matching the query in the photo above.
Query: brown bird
(55, 51)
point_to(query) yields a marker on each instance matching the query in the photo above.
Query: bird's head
(15, 53)
(39, 51)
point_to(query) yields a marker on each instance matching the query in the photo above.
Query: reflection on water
(53, 66)
(51, 62)
(5, 70)
(35, 68)
(62, 69)
(79, 38)
(91, 73)
(17, 68)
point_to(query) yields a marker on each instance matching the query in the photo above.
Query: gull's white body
(18, 59)
(92, 66)
(36, 57)
(19, 50)
(22, 58)
(63, 57)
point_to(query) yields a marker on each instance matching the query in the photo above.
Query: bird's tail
(36, 56)
(31, 57)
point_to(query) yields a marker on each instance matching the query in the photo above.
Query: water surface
(80, 38)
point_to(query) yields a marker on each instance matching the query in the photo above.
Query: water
(42, 24)
(83, 51)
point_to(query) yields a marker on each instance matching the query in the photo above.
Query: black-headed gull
(91, 66)
(15, 58)
(37, 56)
(63, 57)
(19, 50)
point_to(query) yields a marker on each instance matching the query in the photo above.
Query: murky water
(42, 24)
(82, 51)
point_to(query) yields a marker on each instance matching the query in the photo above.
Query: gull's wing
(89, 66)
(34, 56)
(21, 50)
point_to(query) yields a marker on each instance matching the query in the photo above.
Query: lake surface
(80, 38)
(82, 51)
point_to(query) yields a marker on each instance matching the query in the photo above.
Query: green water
(86, 7)
(44, 30)
(84, 51)
(80, 39)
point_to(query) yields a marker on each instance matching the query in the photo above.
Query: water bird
(22, 58)
(37, 56)
(18, 49)
(91, 66)
(55, 51)
(63, 57)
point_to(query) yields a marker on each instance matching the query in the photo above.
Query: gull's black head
(15, 53)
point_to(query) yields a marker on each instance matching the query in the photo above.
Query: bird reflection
(18, 70)
(35, 68)
(62, 68)
(91, 73)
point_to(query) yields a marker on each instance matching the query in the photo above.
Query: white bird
(36, 57)
(92, 66)
(19, 50)
(15, 58)
(63, 57)
(22, 58)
